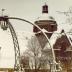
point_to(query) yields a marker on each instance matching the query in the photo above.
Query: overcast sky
(29, 10)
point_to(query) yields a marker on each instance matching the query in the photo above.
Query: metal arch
(54, 61)
(16, 45)
(17, 65)
(31, 24)
(6, 24)
(40, 30)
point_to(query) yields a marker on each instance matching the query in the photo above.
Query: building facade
(62, 46)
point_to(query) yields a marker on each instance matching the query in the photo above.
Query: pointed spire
(62, 31)
(45, 8)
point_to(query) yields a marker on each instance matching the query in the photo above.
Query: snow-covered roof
(54, 37)
(68, 36)
(46, 17)
(57, 34)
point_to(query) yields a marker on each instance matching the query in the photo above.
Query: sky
(29, 10)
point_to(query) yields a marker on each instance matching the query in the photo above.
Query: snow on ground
(7, 59)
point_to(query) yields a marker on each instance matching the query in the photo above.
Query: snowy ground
(7, 58)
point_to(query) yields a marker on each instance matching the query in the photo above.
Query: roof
(46, 17)
(64, 37)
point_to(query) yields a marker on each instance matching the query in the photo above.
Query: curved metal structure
(6, 24)
(16, 46)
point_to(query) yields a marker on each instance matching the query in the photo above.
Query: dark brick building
(62, 46)
(63, 51)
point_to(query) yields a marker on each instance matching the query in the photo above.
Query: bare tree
(37, 58)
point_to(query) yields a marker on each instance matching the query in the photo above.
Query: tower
(46, 22)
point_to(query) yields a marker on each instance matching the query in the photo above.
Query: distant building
(46, 23)
(62, 46)
(63, 51)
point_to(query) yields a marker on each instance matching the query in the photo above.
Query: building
(62, 46)
(46, 23)
(63, 51)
